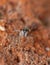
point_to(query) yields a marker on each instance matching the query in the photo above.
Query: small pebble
(2, 28)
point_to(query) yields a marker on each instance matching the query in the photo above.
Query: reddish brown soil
(33, 47)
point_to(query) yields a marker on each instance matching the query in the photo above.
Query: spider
(26, 30)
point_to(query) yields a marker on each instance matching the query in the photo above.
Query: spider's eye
(26, 29)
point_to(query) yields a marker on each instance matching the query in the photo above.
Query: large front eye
(26, 29)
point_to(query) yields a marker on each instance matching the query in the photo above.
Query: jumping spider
(26, 30)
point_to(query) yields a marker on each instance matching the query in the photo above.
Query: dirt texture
(24, 32)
